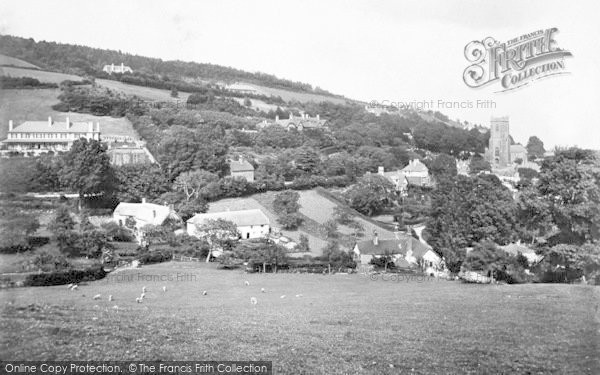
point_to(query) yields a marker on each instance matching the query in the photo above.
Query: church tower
(499, 145)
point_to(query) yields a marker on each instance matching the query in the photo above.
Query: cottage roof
(518, 148)
(240, 218)
(399, 175)
(240, 166)
(54, 127)
(415, 166)
(393, 246)
(147, 213)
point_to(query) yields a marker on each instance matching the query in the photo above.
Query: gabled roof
(415, 166)
(393, 246)
(399, 175)
(55, 127)
(415, 180)
(146, 213)
(240, 166)
(518, 148)
(240, 218)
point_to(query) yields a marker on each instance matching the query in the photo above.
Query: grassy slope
(11, 61)
(147, 93)
(341, 324)
(35, 105)
(40, 75)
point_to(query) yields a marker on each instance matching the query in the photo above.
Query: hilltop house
(398, 178)
(38, 137)
(295, 123)
(405, 251)
(250, 223)
(110, 69)
(417, 173)
(241, 168)
(137, 215)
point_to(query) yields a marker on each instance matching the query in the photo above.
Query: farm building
(398, 178)
(38, 137)
(250, 223)
(137, 215)
(417, 173)
(241, 168)
(405, 251)
(112, 68)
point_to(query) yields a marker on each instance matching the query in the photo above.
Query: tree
(286, 202)
(478, 164)
(303, 246)
(188, 209)
(61, 228)
(370, 194)
(330, 228)
(247, 102)
(468, 210)
(342, 215)
(570, 183)
(443, 166)
(15, 232)
(534, 214)
(137, 181)
(86, 168)
(307, 160)
(535, 148)
(290, 221)
(194, 183)
(219, 233)
(174, 92)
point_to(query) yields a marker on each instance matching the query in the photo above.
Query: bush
(290, 221)
(156, 256)
(92, 273)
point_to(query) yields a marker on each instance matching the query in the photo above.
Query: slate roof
(240, 166)
(393, 246)
(415, 166)
(148, 213)
(56, 127)
(240, 218)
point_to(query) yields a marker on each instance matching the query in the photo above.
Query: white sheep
(204, 293)
(97, 296)
(283, 296)
(115, 307)
(110, 298)
(298, 295)
(143, 289)
(247, 283)
(138, 300)
(262, 290)
(253, 300)
(74, 287)
(164, 288)
(142, 296)
(70, 286)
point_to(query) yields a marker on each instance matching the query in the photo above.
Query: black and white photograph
(299, 187)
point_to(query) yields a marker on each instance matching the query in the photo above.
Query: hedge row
(65, 277)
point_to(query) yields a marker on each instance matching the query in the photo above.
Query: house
(241, 168)
(515, 248)
(398, 178)
(242, 88)
(250, 223)
(417, 173)
(518, 152)
(405, 251)
(110, 69)
(137, 215)
(38, 137)
(298, 123)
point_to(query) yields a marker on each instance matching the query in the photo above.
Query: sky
(385, 51)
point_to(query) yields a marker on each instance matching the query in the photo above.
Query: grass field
(11, 61)
(36, 105)
(339, 324)
(40, 75)
(147, 93)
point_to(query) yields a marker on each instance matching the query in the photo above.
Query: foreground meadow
(324, 324)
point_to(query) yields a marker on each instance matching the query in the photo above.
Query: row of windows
(46, 135)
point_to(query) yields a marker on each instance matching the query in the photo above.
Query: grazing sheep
(164, 288)
(97, 296)
(115, 307)
(262, 290)
(110, 298)
(70, 286)
(138, 300)
(143, 289)
(74, 287)
(142, 295)
(204, 293)
(282, 296)
(247, 283)
(253, 301)
(298, 295)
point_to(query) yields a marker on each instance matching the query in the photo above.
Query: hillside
(81, 60)
(40, 75)
(11, 61)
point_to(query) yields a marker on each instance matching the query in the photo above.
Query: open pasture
(325, 324)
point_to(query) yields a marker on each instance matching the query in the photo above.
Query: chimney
(50, 121)
(98, 127)
(318, 117)
(375, 238)
(291, 115)
(143, 200)
(276, 117)
(68, 122)
(10, 125)
(381, 170)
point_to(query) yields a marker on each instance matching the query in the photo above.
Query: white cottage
(250, 223)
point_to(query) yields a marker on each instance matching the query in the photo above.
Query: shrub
(92, 273)
(156, 256)
(290, 221)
